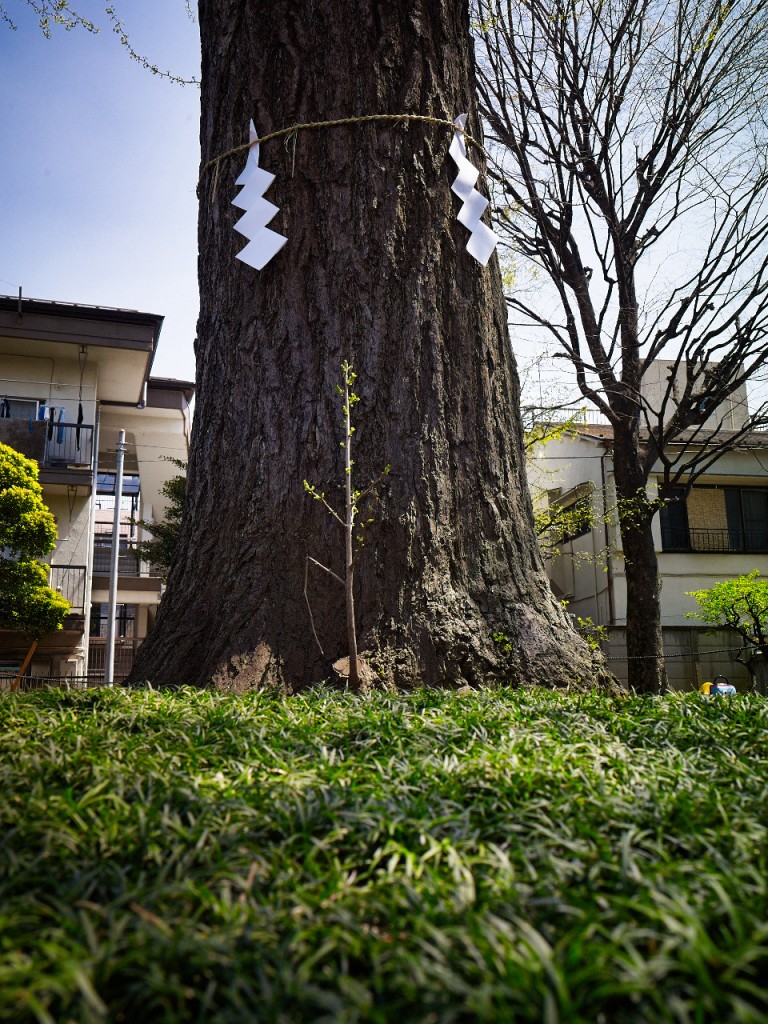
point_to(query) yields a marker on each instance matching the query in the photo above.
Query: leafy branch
(58, 12)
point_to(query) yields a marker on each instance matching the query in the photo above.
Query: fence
(28, 683)
(704, 540)
(125, 652)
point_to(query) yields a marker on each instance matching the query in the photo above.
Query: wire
(696, 655)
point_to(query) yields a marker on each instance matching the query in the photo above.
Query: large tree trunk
(645, 643)
(375, 271)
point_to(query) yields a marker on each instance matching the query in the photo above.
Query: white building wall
(599, 590)
(732, 413)
(53, 382)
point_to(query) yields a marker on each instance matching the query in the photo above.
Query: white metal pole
(109, 657)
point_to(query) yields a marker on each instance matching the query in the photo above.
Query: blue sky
(98, 166)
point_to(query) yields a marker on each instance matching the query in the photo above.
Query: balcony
(706, 541)
(70, 446)
(127, 561)
(69, 580)
(133, 574)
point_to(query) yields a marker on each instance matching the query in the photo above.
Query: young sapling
(352, 523)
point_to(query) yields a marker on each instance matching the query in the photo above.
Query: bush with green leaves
(27, 533)
(741, 605)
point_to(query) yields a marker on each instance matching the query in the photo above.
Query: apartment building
(716, 532)
(71, 377)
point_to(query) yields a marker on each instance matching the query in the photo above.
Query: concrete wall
(54, 381)
(733, 413)
(72, 513)
(580, 573)
(692, 657)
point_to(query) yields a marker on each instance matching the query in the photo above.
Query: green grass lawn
(502, 856)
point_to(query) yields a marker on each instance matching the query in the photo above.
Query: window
(570, 515)
(577, 520)
(674, 523)
(747, 511)
(18, 408)
(716, 519)
(125, 620)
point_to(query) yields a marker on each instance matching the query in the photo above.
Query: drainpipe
(109, 657)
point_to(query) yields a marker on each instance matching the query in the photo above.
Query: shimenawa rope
(362, 119)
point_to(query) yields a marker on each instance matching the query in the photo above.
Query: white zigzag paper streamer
(482, 241)
(263, 243)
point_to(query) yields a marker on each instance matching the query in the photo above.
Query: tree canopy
(160, 550)
(27, 532)
(740, 604)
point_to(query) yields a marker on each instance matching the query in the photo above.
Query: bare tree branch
(628, 136)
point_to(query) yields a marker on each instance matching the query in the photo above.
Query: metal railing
(70, 581)
(574, 413)
(52, 445)
(700, 540)
(125, 652)
(27, 683)
(69, 445)
(127, 562)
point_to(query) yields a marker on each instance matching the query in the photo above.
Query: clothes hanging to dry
(61, 432)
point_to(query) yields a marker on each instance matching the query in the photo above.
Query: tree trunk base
(521, 652)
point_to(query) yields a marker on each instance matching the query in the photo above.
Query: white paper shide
(482, 241)
(263, 243)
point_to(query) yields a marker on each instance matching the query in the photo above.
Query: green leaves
(161, 549)
(489, 856)
(26, 524)
(27, 603)
(27, 532)
(740, 603)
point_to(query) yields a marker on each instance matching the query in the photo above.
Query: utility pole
(109, 659)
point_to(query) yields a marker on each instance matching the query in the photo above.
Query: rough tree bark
(375, 271)
(644, 635)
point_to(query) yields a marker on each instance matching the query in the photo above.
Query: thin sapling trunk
(348, 522)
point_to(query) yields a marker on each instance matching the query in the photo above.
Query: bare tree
(621, 127)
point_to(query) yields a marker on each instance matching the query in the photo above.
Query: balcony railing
(69, 580)
(698, 540)
(69, 446)
(127, 562)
